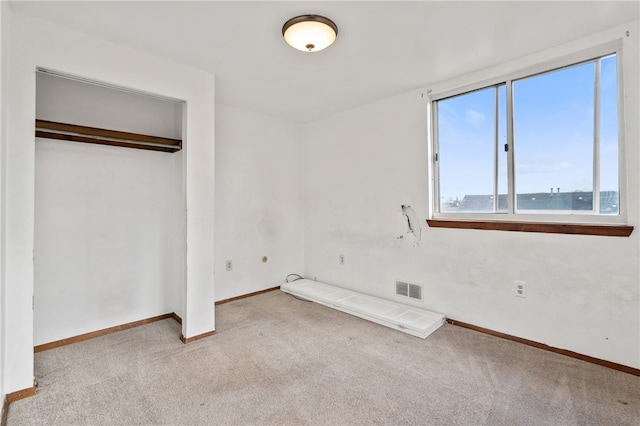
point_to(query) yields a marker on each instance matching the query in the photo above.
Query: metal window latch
(506, 147)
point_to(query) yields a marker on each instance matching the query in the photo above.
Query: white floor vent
(415, 321)
(412, 291)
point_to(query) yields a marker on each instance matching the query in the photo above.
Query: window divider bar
(596, 138)
(511, 186)
(496, 148)
(435, 160)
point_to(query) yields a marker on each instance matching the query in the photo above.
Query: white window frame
(527, 67)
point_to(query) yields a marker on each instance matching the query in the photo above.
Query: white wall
(361, 165)
(103, 237)
(259, 204)
(78, 102)
(105, 230)
(35, 43)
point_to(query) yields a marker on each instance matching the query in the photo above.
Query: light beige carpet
(280, 361)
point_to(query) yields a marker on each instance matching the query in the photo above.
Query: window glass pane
(609, 200)
(553, 139)
(466, 129)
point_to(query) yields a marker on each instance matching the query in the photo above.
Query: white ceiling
(383, 48)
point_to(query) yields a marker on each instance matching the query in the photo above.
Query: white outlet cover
(520, 289)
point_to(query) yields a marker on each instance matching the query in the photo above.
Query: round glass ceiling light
(310, 33)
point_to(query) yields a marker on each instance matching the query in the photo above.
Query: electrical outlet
(520, 289)
(341, 259)
(228, 265)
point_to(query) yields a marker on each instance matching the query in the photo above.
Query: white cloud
(474, 117)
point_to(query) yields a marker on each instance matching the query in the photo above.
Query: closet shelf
(75, 133)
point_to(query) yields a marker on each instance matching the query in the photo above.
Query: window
(542, 143)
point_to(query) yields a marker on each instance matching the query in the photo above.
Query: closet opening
(109, 245)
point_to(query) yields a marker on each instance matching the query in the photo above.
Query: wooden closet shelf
(76, 133)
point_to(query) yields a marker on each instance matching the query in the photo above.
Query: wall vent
(415, 291)
(402, 288)
(405, 289)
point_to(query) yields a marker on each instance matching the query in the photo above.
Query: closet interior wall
(109, 221)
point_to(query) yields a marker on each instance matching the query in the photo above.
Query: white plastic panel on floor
(415, 321)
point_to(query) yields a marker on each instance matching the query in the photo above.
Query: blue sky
(553, 133)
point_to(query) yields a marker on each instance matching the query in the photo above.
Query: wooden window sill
(549, 228)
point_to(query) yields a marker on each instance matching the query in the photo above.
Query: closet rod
(76, 133)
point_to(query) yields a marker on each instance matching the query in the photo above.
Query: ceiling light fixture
(309, 33)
